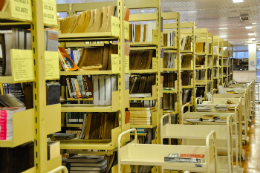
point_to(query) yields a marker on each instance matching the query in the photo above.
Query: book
(65, 61)
(85, 159)
(185, 158)
(52, 93)
(141, 59)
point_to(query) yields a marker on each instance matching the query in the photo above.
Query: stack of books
(185, 158)
(141, 85)
(87, 164)
(141, 33)
(141, 115)
(200, 74)
(186, 78)
(96, 20)
(169, 39)
(169, 101)
(202, 108)
(141, 59)
(200, 61)
(186, 43)
(169, 80)
(80, 87)
(200, 47)
(186, 61)
(186, 95)
(169, 60)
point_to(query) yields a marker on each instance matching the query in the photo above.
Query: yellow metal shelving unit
(216, 62)
(156, 65)
(119, 98)
(225, 63)
(221, 46)
(202, 37)
(210, 62)
(33, 124)
(188, 29)
(175, 16)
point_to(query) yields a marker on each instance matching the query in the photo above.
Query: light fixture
(249, 27)
(250, 41)
(251, 34)
(238, 1)
(252, 38)
(222, 28)
(254, 23)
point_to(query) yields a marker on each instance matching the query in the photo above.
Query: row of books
(200, 61)
(141, 59)
(200, 47)
(141, 33)
(169, 80)
(80, 87)
(186, 95)
(17, 159)
(169, 39)
(97, 125)
(141, 115)
(87, 164)
(209, 73)
(169, 60)
(186, 61)
(144, 103)
(141, 84)
(75, 117)
(96, 20)
(186, 78)
(200, 74)
(21, 39)
(169, 101)
(74, 54)
(200, 91)
(186, 43)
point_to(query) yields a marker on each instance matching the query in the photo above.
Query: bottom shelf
(32, 170)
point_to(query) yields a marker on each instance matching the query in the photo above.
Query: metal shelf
(87, 36)
(141, 44)
(142, 126)
(85, 72)
(142, 71)
(88, 109)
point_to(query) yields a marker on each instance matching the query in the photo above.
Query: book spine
(3, 125)
(69, 88)
(73, 88)
(81, 86)
(76, 83)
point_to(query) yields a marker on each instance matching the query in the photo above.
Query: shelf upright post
(210, 62)
(221, 41)
(158, 73)
(194, 62)
(39, 87)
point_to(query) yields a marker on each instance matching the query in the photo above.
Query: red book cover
(127, 117)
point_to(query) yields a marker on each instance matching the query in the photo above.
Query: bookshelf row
(119, 76)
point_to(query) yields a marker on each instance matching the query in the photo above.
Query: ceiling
(222, 17)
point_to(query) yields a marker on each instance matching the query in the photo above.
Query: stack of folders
(21, 39)
(186, 61)
(169, 101)
(186, 78)
(169, 60)
(80, 87)
(141, 33)
(200, 47)
(210, 48)
(202, 108)
(215, 72)
(186, 95)
(200, 74)
(103, 86)
(169, 81)
(200, 61)
(141, 85)
(221, 107)
(87, 164)
(215, 50)
(141, 115)
(169, 39)
(96, 20)
(200, 92)
(8, 106)
(209, 72)
(141, 59)
(98, 125)
(186, 43)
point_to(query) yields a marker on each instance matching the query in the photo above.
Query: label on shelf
(114, 26)
(21, 9)
(126, 64)
(22, 65)
(51, 65)
(115, 63)
(126, 28)
(49, 12)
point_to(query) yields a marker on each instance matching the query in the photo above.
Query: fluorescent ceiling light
(222, 28)
(254, 23)
(249, 27)
(252, 38)
(249, 41)
(250, 34)
(237, 1)
(223, 36)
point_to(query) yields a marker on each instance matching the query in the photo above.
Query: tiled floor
(252, 149)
